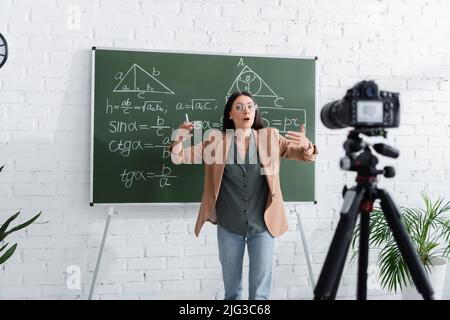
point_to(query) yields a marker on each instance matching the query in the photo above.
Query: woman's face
(243, 112)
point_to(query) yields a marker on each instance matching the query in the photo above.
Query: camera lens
(331, 115)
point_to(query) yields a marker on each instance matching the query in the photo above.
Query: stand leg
(334, 262)
(100, 252)
(305, 248)
(363, 257)
(405, 246)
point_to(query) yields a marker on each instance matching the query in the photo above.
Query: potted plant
(429, 231)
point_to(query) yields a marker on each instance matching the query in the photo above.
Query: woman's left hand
(298, 139)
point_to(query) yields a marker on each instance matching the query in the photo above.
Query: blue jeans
(231, 255)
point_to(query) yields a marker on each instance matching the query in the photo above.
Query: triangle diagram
(248, 80)
(138, 80)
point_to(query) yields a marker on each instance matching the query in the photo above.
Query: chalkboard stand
(100, 252)
(305, 246)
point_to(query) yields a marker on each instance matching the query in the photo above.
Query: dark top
(243, 193)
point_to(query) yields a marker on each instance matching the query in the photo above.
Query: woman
(241, 192)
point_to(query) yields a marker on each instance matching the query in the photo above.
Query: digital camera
(363, 106)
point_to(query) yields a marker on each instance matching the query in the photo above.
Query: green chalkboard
(140, 97)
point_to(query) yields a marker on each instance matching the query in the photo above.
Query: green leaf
(8, 254)
(389, 262)
(21, 226)
(1, 249)
(6, 224)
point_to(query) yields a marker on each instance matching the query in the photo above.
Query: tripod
(359, 200)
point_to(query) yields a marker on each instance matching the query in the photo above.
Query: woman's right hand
(186, 125)
(182, 130)
(181, 133)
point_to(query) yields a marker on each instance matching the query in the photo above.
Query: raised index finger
(302, 128)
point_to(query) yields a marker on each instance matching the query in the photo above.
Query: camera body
(363, 106)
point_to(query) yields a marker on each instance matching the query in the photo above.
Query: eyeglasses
(250, 107)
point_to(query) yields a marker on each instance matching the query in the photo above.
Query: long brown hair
(228, 123)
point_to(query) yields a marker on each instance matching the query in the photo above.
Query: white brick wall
(151, 252)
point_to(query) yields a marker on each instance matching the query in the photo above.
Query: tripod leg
(340, 269)
(405, 245)
(363, 257)
(330, 275)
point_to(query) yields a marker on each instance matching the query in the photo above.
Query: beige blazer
(217, 146)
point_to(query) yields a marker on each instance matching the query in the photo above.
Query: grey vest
(243, 193)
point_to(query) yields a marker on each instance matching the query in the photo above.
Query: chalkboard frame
(93, 50)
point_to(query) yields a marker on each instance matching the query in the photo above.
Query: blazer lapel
(220, 160)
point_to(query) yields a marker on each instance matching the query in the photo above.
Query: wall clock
(3, 50)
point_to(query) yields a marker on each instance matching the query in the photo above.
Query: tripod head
(364, 163)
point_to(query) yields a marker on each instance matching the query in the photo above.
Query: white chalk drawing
(248, 80)
(285, 119)
(138, 80)
(128, 177)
